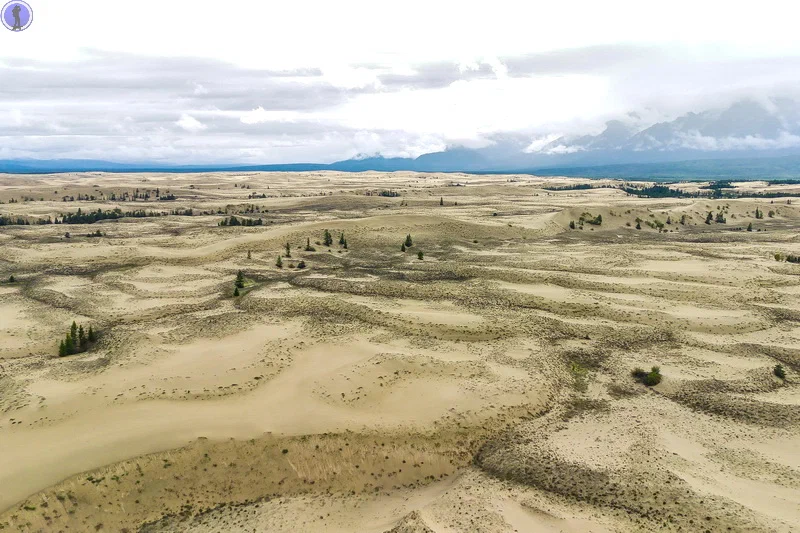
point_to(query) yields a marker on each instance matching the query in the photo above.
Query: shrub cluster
(650, 379)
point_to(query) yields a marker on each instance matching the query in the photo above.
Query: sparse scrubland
(382, 352)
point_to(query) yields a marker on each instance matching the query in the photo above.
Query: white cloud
(190, 124)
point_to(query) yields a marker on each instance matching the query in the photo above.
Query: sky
(268, 82)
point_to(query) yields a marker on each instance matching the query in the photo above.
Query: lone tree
(301, 264)
(779, 372)
(279, 263)
(638, 225)
(420, 255)
(403, 247)
(750, 227)
(239, 280)
(288, 250)
(441, 200)
(309, 248)
(12, 279)
(409, 242)
(709, 217)
(327, 239)
(248, 255)
(236, 291)
(342, 240)
(571, 224)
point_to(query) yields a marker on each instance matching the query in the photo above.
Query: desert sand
(484, 387)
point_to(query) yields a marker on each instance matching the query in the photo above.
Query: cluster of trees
(389, 194)
(144, 195)
(234, 221)
(719, 218)
(77, 340)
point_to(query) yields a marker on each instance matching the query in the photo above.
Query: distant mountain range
(747, 140)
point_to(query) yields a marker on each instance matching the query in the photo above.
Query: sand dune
(484, 387)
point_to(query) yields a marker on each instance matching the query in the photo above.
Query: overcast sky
(268, 82)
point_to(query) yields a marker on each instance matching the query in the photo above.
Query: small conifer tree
(420, 256)
(409, 242)
(750, 227)
(441, 200)
(279, 263)
(571, 224)
(236, 291)
(403, 247)
(92, 337)
(239, 280)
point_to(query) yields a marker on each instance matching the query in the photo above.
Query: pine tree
(403, 247)
(669, 220)
(279, 263)
(288, 250)
(409, 242)
(420, 255)
(571, 224)
(638, 225)
(750, 227)
(683, 220)
(81, 338)
(248, 255)
(92, 337)
(12, 279)
(328, 240)
(240, 280)
(441, 200)
(73, 330)
(709, 218)
(69, 344)
(308, 244)
(236, 291)
(62, 349)
(341, 239)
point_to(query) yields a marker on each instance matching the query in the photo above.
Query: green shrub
(779, 371)
(650, 379)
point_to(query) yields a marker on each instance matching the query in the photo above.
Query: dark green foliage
(76, 341)
(750, 227)
(236, 291)
(771, 214)
(342, 240)
(571, 224)
(403, 247)
(239, 280)
(288, 250)
(249, 255)
(234, 221)
(390, 194)
(759, 213)
(420, 255)
(441, 200)
(720, 218)
(589, 219)
(309, 248)
(409, 243)
(279, 263)
(12, 279)
(709, 217)
(669, 220)
(301, 264)
(793, 258)
(638, 224)
(683, 220)
(327, 239)
(650, 379)
(779, 371)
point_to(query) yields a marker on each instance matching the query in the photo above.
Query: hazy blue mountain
(759, 138)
